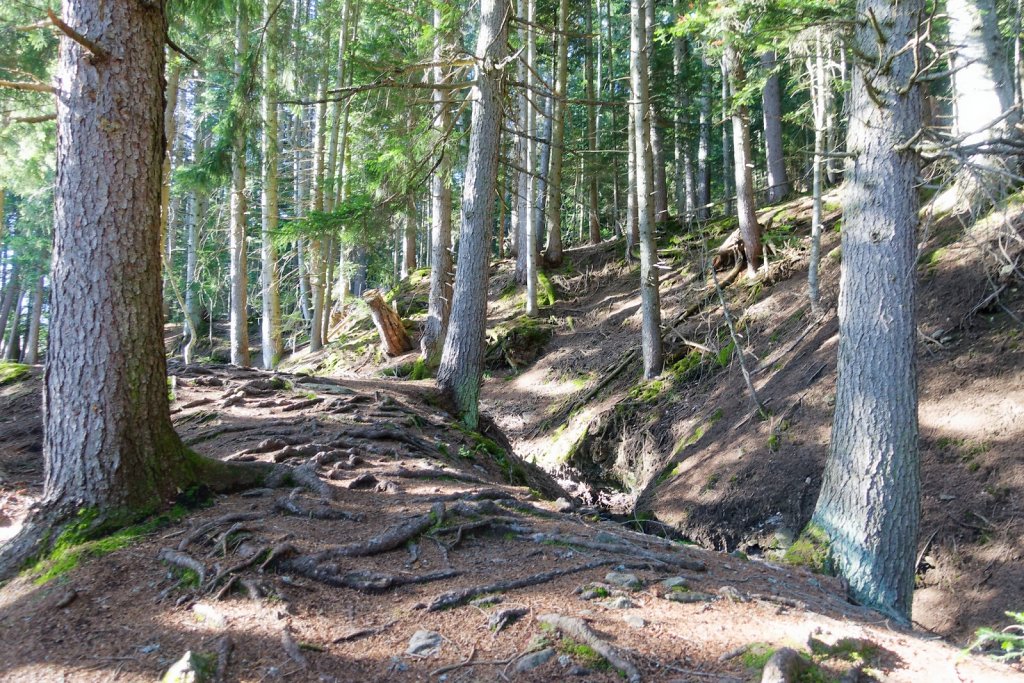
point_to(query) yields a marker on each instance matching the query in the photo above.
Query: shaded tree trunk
(11, 294)
(32, 343)
(558, 108)
(771, 104)
(816, 74)
(704, 147)
(593, 208)
(743, 164)
(727, 143)
(650, 303)
(270, 323)
(869, 506)
(461, 368)
(13, 350)
(439, 301)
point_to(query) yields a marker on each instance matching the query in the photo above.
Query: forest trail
(477, 574)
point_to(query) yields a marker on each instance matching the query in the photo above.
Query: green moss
(584, 654)
(757, 655)
(546, 291)
(12, 372)
(646, 392)
(810, 550)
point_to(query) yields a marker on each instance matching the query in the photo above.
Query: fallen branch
(183, 561)
(578, 630)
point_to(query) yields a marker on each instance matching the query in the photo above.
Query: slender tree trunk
(11, 294)
(650, 303)
(771, 104)
(685, 194)
(528, 237)
(32, 344)
(409, 236)
(660, 188)
(869, 506)
(540, 211)
(317, 246)
(194, 216)
(441, 272)
(743, 164)
(594, 211)
(170, 132)
(461, 368)
(727, 143)
(553, 252)
(816, 73)
(270, 323)
(12, 351)
(704, 147)
(632, 219)
(239, 323)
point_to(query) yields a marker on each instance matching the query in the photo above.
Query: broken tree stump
(393, 336)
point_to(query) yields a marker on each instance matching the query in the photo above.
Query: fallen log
(393, 337)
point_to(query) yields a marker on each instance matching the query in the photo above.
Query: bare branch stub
(98, 51)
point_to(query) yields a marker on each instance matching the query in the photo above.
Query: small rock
(619, 602)
(623, 580)
(149, 649)
(945, 497)
(208, 615)
(564, 660)
(65, 598)
(633, 621)
(563, 505)
(675, 582)
(191, 668)
(424, 644)
(731, 593)
(688, 596)
(605, 537)
(578, 671)
(534, 659)
(363, 481)
(396, 665)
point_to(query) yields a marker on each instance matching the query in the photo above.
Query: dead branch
(98, 52)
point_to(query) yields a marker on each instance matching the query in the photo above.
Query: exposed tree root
(378, 433)
(183, 561)
(630, 550)
(464, 595)
(224, 647)
(290, 506)
(366, 581)
(205, 529)
(292, 648)
(578, 630)
(432, 473)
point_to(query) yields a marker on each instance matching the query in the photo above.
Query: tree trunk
(727, 143)
(109, 445)
(528, 238)
(743, 163)
(317, 262)
(650, 304)
(771, 103)
(32, 344)
(632, 220)
(193, 217)
(869, 506)
(816, 74)
(270, 323)
(439, 301)
(239, 270)
(553, 252)
(458, 376)
(170, 132)
(11, 294)
(409, 235)
(704, 147)
(982, 93)
(594, 211)
(393, 337)
(13, 350)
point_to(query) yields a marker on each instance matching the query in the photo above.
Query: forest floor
(474, 563)
(682, 457)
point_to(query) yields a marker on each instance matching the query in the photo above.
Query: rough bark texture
(650, 303)
(109, 443)
(12, 351)
(270, 324)
(393, 336)
(11, 294)
(704, 147)
(458, 376)
(594, 211)
(771, 104)
(239, 270)
(816, 73)
(869, 505)
(528, 236)
(743, 165)
(439, 302)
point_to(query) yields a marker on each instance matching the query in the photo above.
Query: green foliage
(647, 392)
(584, 654)
(1006, 644)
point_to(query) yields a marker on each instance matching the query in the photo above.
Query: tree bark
(528, 238)
(553, 211)
(594, 211)
(272, 344)
(441, 270)
(743, 162)
(12, 351)
(393, 337)
(816, 74)
(771, 104)
(32, 345)
(170, 132)
(461, 368)
(650, 303)
(869, 506)
(11, 294)
(239, 269)
(193, 217)
(704, 147)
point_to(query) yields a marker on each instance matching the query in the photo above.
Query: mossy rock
(11, 373)
(811, 550)
(517, 343)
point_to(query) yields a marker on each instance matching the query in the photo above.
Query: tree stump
(393, 336)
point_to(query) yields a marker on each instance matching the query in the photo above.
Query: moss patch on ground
(12, 372)
(810, 550)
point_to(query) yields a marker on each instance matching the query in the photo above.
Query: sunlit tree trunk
(528, 236)
(193, 217)
(32, 344)
(239, 274)
(12, 351)
(727, 144)
(704, 146)
(461, 368)
(591, 166)
(11, 294)
(771, 104)
(270, 323)
(650, 303)
(816, 74)
(170, 131)
(869, 506)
